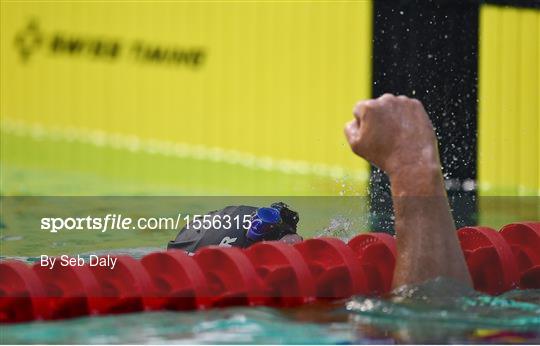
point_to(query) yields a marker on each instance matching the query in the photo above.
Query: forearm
(426, 236)
(395, 134)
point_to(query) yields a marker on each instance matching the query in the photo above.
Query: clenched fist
(393, 133)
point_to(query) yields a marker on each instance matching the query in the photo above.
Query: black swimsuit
(192, 239)
(230, 234)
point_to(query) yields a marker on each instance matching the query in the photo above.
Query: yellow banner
(260, 85)
(509, 108)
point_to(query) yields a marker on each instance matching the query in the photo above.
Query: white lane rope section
(133, 143)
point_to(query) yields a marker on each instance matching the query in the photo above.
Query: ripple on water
(439, 311)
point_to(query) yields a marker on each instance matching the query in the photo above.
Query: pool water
(439, 311)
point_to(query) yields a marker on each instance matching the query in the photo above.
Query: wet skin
(291, 239)
(395, 134)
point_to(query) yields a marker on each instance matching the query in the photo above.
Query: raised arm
(396, 135)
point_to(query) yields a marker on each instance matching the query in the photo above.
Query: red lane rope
(267, 273)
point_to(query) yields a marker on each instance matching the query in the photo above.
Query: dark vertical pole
(428, 50)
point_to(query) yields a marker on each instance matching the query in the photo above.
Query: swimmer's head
(272, 223)
(240, 226)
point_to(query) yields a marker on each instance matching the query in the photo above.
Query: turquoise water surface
(438, 311)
